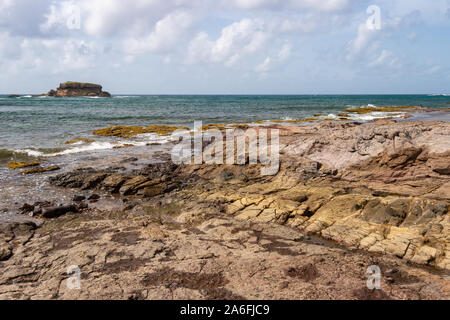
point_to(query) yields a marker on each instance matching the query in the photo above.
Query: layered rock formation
(347, 196)
(78, 89)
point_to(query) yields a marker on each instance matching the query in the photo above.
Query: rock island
(78, 89)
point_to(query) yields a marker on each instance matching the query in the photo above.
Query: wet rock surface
(346, 197)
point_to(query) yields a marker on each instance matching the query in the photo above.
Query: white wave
(122, 97)
(374, 116)
(332, 116)
(90, 147)
(141, 140)
(153, 137)
(369, 105)
(30, 152)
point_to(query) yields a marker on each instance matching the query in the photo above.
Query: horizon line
(261, 94)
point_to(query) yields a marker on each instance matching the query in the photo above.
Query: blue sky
(226, 46)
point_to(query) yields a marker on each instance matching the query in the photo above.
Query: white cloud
(365, 40)
(433, 70)
(5, 4)
(236, 41)
(285, 52)
(386, 58)
(263, 67)
(253, 4)
(411, 36)
(431, 11)
(248, 37)
(51, 55)
(323, 5)
(65, 15)
(252, 36)
(165, 36)
(9, 47)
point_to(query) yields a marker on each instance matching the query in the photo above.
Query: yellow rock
(123, 146)
(84, 140)
(163, 130)
(18, 165)
(40, 170)
(217, 126)
(131, 131)
(424, 255)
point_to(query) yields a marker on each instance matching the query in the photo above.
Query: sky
(227, 46)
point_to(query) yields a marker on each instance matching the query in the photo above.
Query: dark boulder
(55, 212)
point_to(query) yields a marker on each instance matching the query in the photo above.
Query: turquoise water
(44, 124)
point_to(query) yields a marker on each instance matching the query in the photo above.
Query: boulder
(55, 212)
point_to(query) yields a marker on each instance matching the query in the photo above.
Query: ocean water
(35, 126)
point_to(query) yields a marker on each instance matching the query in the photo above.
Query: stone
(113, 182)
(441, 166)
(40, 170)
(133, 185)
(391, 213)
(78, 198)
(94, 197)
(54, 212)
(150, 192)
(424, 255)
(5, 253)
(93, 181)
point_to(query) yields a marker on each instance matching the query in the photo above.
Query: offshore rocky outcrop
(347, 196)
(78, 89)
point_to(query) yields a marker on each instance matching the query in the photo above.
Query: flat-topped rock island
(78, 89)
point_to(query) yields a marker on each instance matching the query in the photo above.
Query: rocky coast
(347, 196)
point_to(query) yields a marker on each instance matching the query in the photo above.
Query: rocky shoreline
(347, 196)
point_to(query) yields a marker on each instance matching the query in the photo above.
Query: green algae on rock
(365, 110)
(127, 145)
(131, 131)
(83, 140)
(40, 170)
(19, 165)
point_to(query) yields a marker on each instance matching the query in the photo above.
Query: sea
(37, 127)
